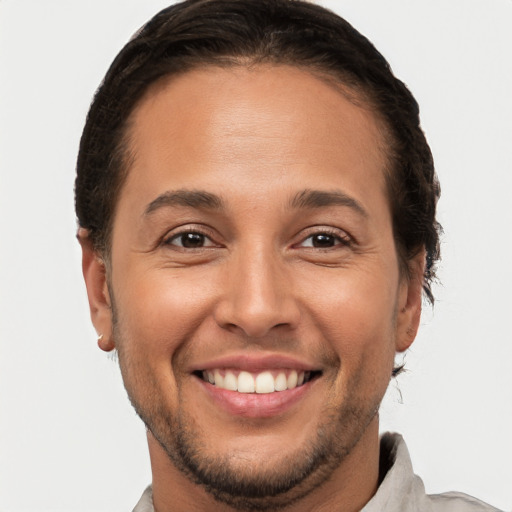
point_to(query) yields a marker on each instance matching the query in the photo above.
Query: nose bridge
(257, 295)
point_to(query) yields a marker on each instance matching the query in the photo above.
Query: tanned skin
(254, 233)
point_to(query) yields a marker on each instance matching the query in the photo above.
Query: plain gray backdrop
(69, 440)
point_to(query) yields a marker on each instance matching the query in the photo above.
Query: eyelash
(343, 240)
(169, 239)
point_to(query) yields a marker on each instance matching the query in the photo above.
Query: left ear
(409, 303)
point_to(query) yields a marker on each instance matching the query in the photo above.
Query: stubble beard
(244, 486)
(227, 477)
(266, 487)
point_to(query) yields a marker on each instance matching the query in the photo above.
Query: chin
(240, 475)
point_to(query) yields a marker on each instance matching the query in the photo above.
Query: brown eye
(190, 240)
(324, 241)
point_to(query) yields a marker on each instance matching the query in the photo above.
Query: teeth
(291, 382)
(264, 382)
(280, 383)
(230, 382)
(219, 379)
(245, 382)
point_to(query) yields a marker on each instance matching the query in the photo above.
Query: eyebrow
(320, 198)
(188, 198)
(305, 199)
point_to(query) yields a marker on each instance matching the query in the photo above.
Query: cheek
(355, 312)
(160, 310)
(157, 314)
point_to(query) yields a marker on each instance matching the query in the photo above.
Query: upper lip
(255, 362)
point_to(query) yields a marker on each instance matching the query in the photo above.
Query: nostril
(255, 310)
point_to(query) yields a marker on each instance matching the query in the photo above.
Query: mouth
(260, 382)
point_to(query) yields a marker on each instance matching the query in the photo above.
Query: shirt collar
(400, 489)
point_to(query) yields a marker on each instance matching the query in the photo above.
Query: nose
(257, 296)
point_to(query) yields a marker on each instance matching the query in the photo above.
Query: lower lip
(256, 405)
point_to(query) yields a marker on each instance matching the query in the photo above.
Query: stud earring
(106, 343)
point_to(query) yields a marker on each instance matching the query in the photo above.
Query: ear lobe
(95, 276)
(410, 302)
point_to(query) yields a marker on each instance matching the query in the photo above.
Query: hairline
(355, 93)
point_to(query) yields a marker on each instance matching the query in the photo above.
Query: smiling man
(256, 203)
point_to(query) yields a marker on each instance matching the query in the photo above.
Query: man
(256, 203)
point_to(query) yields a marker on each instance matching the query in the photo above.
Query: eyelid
(189, 228)
(344, 238)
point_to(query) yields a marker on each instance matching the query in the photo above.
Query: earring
(106, 343)
(100, 342)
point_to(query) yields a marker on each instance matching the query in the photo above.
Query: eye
(189, 240)
(325, 240)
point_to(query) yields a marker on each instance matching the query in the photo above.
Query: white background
(69, 440)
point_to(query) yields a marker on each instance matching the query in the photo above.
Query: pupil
(192, 240)
(323, 241)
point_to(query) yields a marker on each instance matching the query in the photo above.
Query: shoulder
(458, 502)
(403, 491)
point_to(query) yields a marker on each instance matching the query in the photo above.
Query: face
(254, 283)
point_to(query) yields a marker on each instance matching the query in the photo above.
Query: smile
(264, 382)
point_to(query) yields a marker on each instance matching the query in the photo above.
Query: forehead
(215, 127)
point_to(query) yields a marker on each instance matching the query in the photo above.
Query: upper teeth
(264, 382)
